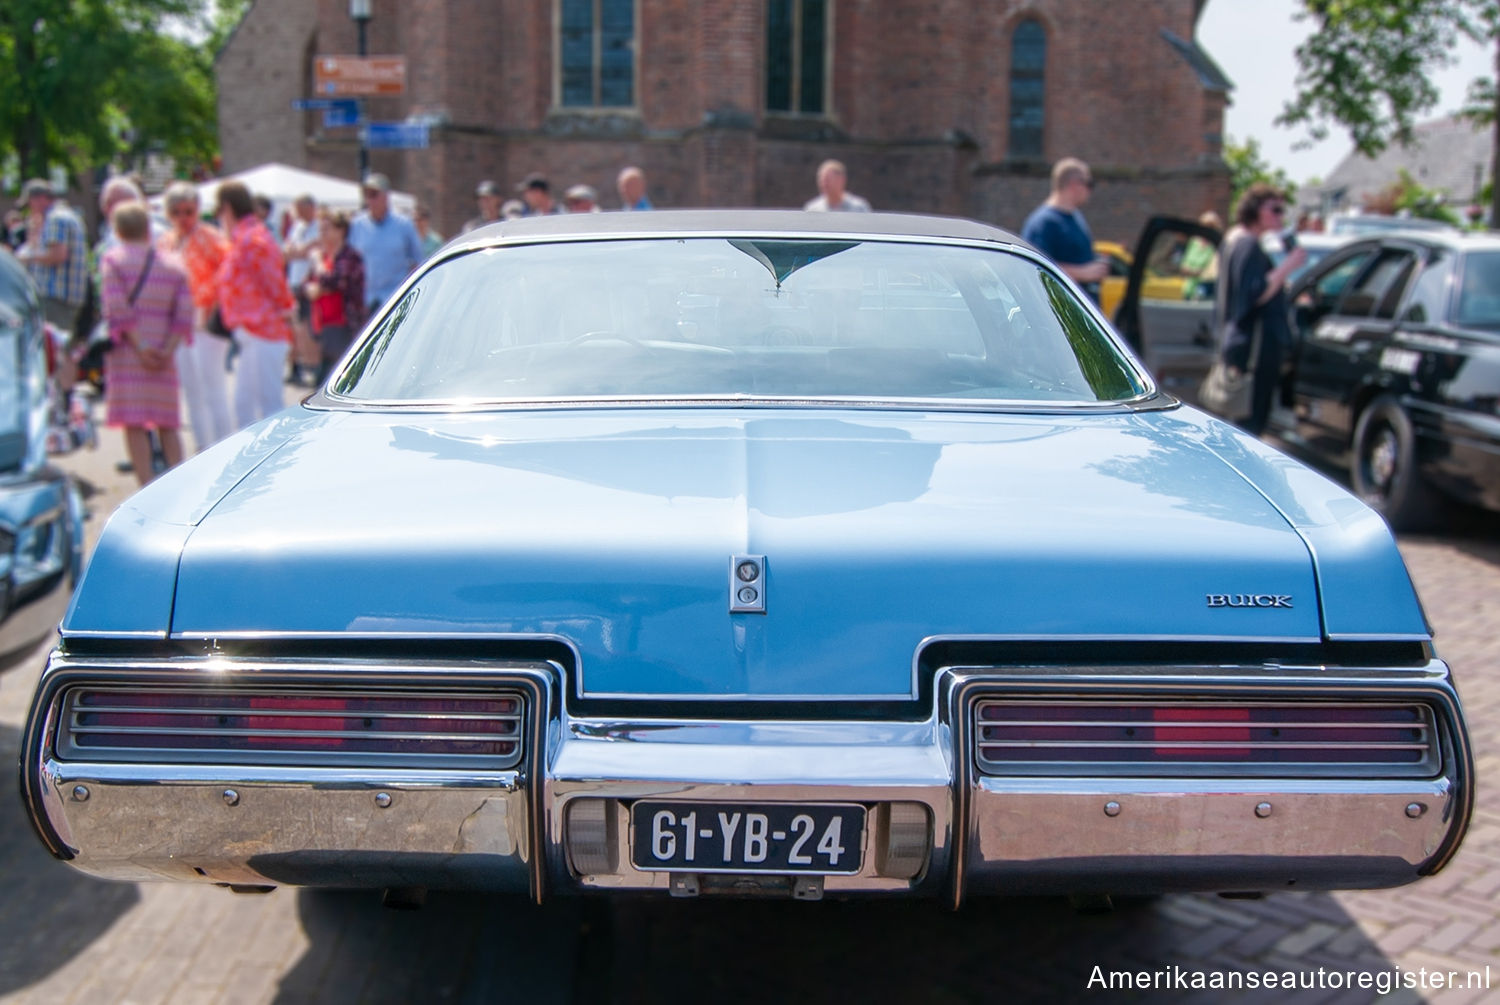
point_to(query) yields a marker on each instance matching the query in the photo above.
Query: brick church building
(939, 106)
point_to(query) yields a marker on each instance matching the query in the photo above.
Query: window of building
(596, 53)
(1028, 61)
(797, 56)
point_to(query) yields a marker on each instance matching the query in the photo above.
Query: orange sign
(359, 76)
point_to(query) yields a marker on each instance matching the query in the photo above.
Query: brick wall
(919, 105)
(261, 71)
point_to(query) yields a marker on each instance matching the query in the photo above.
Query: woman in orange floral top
(200, 249)
(256, 304)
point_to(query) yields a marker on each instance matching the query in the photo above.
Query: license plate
(822, 838)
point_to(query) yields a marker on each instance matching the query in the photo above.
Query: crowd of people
(181, 300)
(167, 306)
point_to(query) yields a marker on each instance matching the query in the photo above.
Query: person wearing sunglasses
(1250, 308)
(1058, 230)
(200, 248)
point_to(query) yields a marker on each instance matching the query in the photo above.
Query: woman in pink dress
(149, 310)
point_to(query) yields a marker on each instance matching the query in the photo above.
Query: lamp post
(359, 13)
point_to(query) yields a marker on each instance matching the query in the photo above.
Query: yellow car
(1163, 280)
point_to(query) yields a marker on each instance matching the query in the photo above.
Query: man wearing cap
(581, 199)
(488, 197)
(538, 196)
(388, 242)
(54, 254)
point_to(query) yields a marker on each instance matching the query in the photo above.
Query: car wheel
(1384, 471)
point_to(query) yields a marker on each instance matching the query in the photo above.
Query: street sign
(341, 112)
(336, 111)
(396, 135)
(359, 76)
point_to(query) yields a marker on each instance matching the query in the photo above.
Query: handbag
(1225, 393)
(214, 323)
(106, 344)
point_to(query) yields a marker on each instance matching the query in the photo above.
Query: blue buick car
(747, 553)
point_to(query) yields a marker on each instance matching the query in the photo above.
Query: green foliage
(1247, 166)
(87, 81)
(1368, 66)
(1410, 197)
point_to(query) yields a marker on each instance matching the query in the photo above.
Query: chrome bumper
(508, 830)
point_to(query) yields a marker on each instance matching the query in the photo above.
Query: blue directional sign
(396, 136)
(343, 112)
(314, 104)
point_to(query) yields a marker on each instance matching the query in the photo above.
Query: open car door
(1167, 312)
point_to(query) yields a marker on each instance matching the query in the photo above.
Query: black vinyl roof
(734, 222)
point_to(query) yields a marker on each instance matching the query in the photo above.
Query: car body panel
(860, 515)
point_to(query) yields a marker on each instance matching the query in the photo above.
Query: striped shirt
(163, 308)
(67, 281)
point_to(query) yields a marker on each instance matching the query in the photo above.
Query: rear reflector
(243, 725)
(1302, 739)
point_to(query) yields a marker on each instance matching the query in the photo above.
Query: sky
(1253, 42)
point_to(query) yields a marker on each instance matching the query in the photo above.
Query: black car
(1397, 370)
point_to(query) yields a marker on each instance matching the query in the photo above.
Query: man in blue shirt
(1057, 228)
(388, 243)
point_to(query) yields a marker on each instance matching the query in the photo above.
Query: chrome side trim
(85, 634)
(1117, 637)
(1394, 637)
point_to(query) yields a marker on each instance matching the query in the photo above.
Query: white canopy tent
(282, 184)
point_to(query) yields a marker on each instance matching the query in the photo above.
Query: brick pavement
(67, 938)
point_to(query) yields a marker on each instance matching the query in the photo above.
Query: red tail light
(1200, 724)
(1269, 738)
(255, 725)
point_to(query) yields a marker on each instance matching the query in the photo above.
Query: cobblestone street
(66, 938)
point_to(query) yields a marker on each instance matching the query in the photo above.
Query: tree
(1407, 195)
(1368, 66)
(85, 81)
(1247, 166)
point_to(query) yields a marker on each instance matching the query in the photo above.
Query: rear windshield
(1479, 292)
(754, 318)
